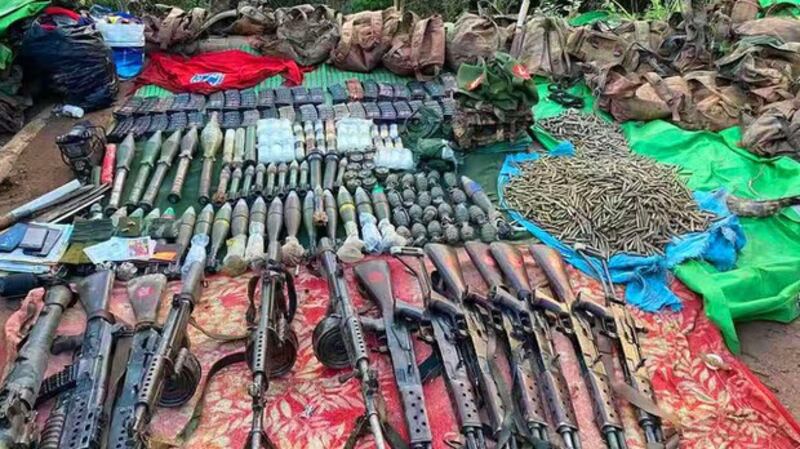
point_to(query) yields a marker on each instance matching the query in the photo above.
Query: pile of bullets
(591, 134)
(611, 204)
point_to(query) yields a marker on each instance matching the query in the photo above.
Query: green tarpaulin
(766, 281)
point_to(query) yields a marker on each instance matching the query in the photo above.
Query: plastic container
(126, 40)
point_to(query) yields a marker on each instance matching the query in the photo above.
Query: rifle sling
(391, 434)
(222, 338)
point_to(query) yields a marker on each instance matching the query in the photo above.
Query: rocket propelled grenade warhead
(227, 146)
(308, 221)
(247, 182)
(236, 179)
(283, 170)
(168, 152)
(238, 148)
(234, 262)
(258, 185)
(292, 251)
(211, 141)
(269, 185)
(148, 220)
(220, 196)
(204, 221)
(340, 172)
(185, 232)
(329, 203)
(302, 182)
(146, 163)
(294, 169)
(124, 158)
(274, 226)
(188, 148)
(254, 253)
(380, 204)
(331, 165)
(219, 233)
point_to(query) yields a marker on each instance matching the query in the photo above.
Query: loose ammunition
(188, 148)
(222, 187)
(219, 233)
(147, 161)
(125, 153)
(168, 152)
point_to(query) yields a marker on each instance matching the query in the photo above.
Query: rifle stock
(595, 374)
(375, 279)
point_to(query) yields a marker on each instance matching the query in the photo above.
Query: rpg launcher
(594, 371)
(338, 339)
(272, 347)
(21, 387)
(375, 280)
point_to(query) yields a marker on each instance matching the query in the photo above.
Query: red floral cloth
(717, 402)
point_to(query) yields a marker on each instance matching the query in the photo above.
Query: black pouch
(387, 111)
(300, 95)
(316, 95)
(370, 90)
(434, 89)
(233, 99)
(266, 98)
(177, 120)
(147, 105)
(158, 122)
(196, 102)
(121, 129)
(248, 99)
(180, 102)
(250, 117)
(216, 101)
(231, 119)
(372, 111)
(283, 96)
(141, 125)
(338, 93)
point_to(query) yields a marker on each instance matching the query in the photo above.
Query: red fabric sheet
(214, 71)
(717, 405)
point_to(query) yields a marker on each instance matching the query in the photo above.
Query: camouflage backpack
(305, 33)
(361, 45)
(776, 132)
(544, 49)
(473, 37)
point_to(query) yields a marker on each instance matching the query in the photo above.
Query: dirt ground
(770, 349)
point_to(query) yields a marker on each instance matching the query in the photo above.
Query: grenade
(356, 157)
(236, 179)
(424, 199)
(419, 234)
(434, 178)
(461, 213)
(429, 213)
(381, 173)
(477, 215)
(467, 232)
(391, 182)
(451, 235)
(400, 217)
(352, 184)
(450, 179)
(437, 195)
(415, 212)
(488, 232)
(420, 182)
(435, 231)
(269, 184)
(404, 232)
(407, 181)
(394, 198)
(409, 197)
(445, 213)
(457, 195)
(369, 182)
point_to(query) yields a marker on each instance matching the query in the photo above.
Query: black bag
(73, 61)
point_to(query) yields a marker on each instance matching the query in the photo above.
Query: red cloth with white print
(717, 405)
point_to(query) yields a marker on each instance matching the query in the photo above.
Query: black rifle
(173, 372)
(537, 318)
(272, 347)
(79, 416)
(376, 282)
(481, 342)
(339, 338)
(144, 293)
(617, 324)
(450, 334)
(516, 326)
(21, 386)
(594, 371)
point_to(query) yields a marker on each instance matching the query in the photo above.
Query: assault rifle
(339, 338)
(618, 325)
(375, 280)
(173, 372)
(272, 347)
(21, 386)
(529, 340)
(451, 336)
(481, 342)
(79, 415)
(144, 294)
(595, 373)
